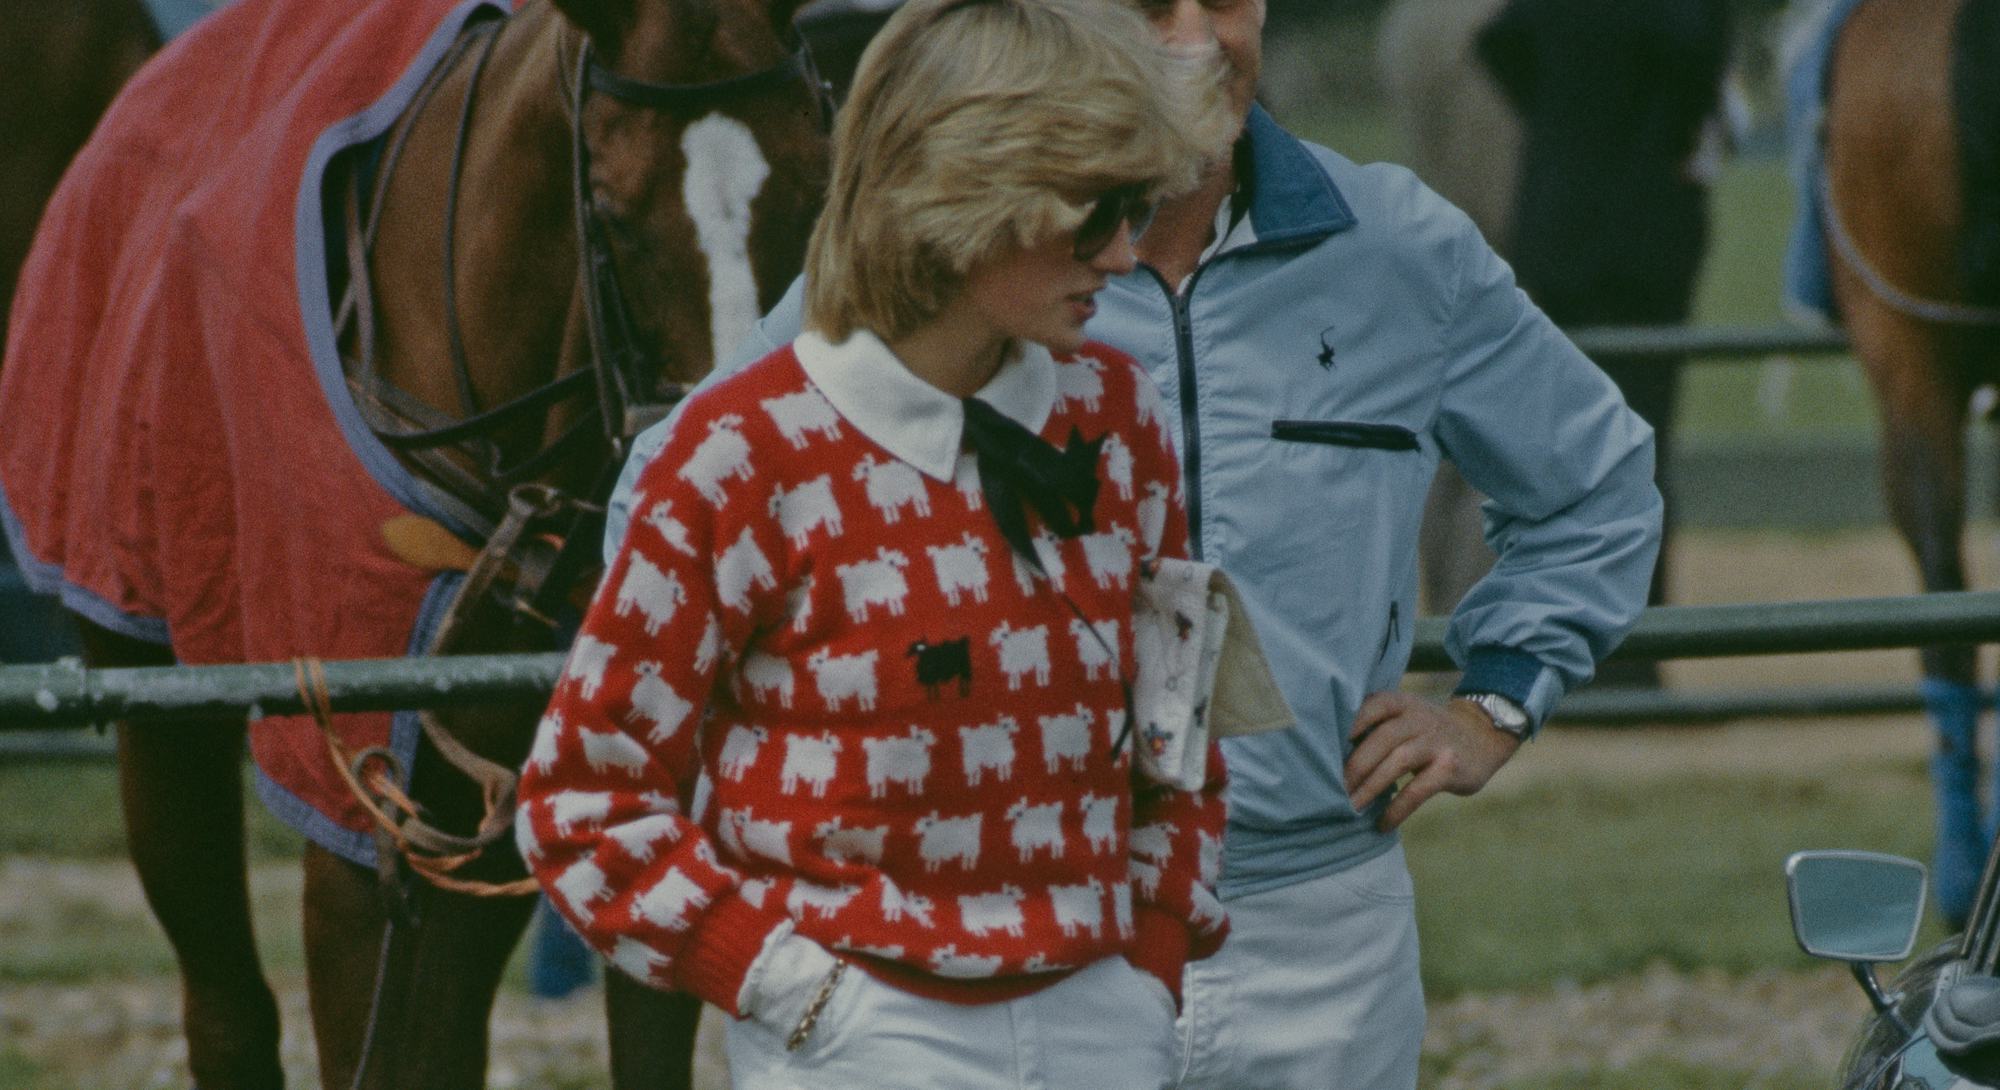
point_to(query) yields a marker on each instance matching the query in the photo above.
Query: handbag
(1199, 670)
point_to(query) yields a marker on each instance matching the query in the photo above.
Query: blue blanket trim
(45, 578)
(1808, 278)
(315, 309)
(172, 18)
(359, 847)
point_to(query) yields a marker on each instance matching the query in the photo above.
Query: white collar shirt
(910, 418)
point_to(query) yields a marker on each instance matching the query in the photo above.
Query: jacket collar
(910, 418)
(1292, 199)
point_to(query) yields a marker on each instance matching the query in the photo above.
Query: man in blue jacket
(1324, 334)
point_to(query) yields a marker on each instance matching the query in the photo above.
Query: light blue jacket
(1316, 376)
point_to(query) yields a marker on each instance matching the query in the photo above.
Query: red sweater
(908, 735)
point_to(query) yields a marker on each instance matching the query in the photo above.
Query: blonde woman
(880, 592)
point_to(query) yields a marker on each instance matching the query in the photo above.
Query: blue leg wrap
(1962, 839)
(558, 961)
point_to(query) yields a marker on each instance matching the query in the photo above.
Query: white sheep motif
(671, 900)
(1096, 646)
(896, 904)
(1118, 465)
(807, 507)
(1036, 828)
(1109, 555)
(947, 961)
(588, 658)
(988, 746)
(581, 884)
(654, 593)
(1066, 738)
(944, 840)
(904, 759)
(655, 700)
(983, 913)
(822, 901)
(768, 676)
(1082, 381)
(605, 750)
(570, 809)
(741, 566)
(892, 486)
(960, 567)
(809, 760)
(739, 751)
(841, 842)
(660, 517)
(840, 678)
(723, 456)
(1078, 907)
(1023, 651)
(1100, 822)
(965, 478)
(638, 838)
(801, 414)
(880, 581)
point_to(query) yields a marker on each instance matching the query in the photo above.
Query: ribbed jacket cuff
(1516, 675)
(720, 949)
(1160, 947)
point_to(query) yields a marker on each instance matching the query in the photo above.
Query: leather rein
(539, 544)
(622, 378)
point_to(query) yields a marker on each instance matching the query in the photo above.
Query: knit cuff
(1159, 947)
(720, 949)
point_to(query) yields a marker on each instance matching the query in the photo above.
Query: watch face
(1506, 714)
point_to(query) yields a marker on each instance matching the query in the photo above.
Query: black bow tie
(1018, 467)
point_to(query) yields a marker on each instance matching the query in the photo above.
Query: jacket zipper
(1190, 419)
(1389, 640)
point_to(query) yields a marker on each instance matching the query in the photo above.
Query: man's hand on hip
(1450, 747)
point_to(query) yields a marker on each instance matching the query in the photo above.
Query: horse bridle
(623, 369)
(620, 357)
(538, 542)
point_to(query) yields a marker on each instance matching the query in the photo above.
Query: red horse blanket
(179, 457)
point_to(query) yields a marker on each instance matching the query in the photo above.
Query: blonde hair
(974, 125)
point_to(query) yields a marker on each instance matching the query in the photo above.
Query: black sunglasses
(1125, 204)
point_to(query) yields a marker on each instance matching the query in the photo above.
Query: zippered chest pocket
(1345, 433)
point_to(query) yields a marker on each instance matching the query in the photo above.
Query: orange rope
(435, 867)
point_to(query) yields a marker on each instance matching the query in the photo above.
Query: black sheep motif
(938, 663)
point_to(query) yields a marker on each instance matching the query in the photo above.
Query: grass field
(1582, 928)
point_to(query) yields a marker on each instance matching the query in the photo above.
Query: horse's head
(703, 129)
(1609, 220)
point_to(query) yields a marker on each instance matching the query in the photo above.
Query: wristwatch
(1506, 713)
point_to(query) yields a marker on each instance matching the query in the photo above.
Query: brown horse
(582, 206)
(60, 64)
(1912, 154)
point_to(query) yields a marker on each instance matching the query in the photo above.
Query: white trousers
(1105, 1027)
(1316, 989)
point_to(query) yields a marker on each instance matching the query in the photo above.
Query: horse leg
(652, 1034)
(182, 794)
(1921, 386)
(403, 1000)
(403, 1004)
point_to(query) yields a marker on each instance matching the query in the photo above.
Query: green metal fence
(70, 694)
